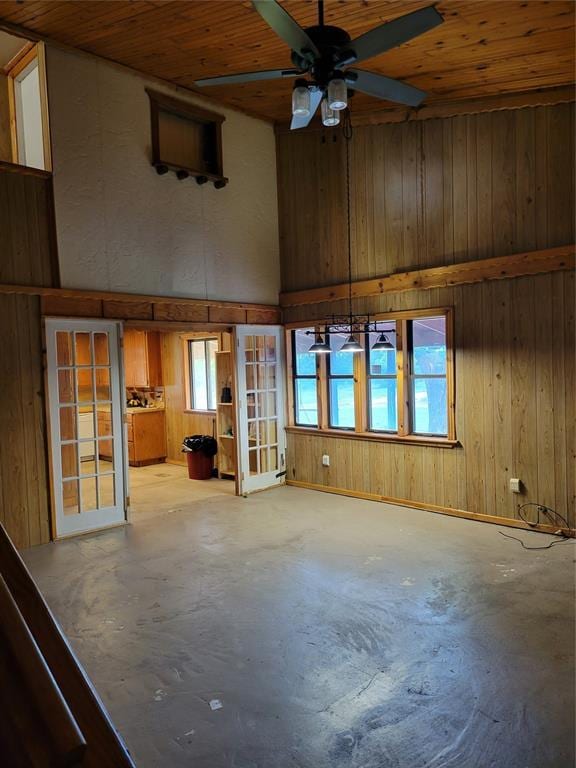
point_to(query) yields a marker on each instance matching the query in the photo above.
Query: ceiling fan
(324, 53)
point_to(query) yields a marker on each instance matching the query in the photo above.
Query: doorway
(172, 391)
(122, 398)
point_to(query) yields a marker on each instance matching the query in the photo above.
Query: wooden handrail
(59, 736)
(105, 748)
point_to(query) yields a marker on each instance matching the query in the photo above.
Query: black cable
(550, 514)
(548, 546)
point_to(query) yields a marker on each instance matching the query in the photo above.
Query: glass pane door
(261, 404)
(85, 424)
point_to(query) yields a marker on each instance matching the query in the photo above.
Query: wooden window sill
(196, 412)
(376, 437)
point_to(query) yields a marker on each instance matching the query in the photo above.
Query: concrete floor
(336, 633)
(160, 488)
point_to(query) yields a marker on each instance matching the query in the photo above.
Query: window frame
(412, 377)
(330, 377)
(295, 377)
(378, 376)
(31, 54)
(362, 431)
(189, 378)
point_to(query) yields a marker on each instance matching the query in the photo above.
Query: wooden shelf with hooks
(186, 139)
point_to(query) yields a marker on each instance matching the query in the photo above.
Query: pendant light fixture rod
(347, 133)
(320, 12)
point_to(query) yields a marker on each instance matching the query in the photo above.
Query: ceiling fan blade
(285, 26)
(302, 122)
(385, 87)
(393, 33)
(247, 77)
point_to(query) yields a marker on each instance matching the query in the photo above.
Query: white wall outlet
(325, 460)
(515, 484)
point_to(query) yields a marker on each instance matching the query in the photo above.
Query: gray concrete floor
(336, 633)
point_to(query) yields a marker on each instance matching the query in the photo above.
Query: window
(202, 362)
(400, 387)
(304, 379)
(427, 344)
(381, 378)
(28, 106)
(340, 367)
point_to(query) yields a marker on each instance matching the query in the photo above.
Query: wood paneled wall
(440, 192)
(27, 256)
(425, 193)
(179, 422)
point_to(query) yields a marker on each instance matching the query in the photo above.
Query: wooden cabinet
(146, 437)
(146, 432)
(142, 359)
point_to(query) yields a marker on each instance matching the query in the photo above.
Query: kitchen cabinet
(146, 432)
(142, 359)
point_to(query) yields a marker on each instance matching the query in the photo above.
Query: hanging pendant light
(300, 101)
(337, 94)
(351, 345)
(329, 116)
(320, 345)
(383, 342)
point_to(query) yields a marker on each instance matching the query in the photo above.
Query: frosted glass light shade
(337, 94)
(301, 101)
(329, 116)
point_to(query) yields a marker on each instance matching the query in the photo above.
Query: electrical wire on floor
(551, 516)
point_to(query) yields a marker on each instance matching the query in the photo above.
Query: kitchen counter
(135, 409)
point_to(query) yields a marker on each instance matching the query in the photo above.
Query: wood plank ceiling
(483, 48)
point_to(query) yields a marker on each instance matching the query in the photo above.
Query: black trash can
(200, 451)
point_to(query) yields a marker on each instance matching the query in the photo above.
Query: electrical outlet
(515, 485)
(325, 460)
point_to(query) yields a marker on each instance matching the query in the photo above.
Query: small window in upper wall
(27, 102)
(427, 343)
(304, 379)
(202, 362)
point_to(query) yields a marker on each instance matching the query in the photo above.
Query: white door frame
(94, 519)
(256, 482)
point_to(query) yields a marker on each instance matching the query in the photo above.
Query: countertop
(155, 409)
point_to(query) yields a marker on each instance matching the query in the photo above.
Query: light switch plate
(515, 485)
(325, 460)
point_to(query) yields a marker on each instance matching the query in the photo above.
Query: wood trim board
(494, 519)
(208, 314)
(561, 258)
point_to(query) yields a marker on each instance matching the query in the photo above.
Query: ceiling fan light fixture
(330, 118)
(300, 101)
(337, 94)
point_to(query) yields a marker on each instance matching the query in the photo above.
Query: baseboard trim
(493, 519)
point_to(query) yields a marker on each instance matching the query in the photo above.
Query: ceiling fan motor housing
(330, 41)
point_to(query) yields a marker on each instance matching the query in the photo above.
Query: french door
(262, 440)
(86, 429)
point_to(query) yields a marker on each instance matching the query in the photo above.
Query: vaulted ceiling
(484, 48)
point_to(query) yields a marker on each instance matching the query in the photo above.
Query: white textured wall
(122, 227)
